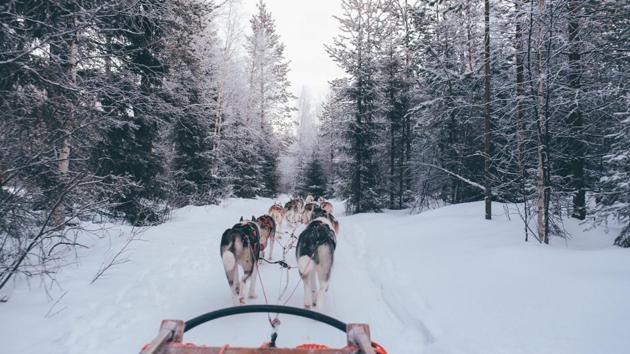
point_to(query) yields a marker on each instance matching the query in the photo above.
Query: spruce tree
(269, 109)
(614, 197)
(356, 52)
(268, 153)
(313, 180)
(242, 161)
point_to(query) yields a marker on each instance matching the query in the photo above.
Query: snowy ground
(444, 281)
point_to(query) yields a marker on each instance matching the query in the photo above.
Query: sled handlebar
(237, 310)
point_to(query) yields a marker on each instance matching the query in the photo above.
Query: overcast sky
(304, 27)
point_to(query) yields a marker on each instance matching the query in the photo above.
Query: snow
(443, 281)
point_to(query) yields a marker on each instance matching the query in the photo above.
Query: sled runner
(171, 335)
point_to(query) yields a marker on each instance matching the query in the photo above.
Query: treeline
(453, 101)
(124, 109)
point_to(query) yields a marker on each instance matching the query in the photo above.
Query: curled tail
(233, 248)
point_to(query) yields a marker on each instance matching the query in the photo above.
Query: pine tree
(356, 51)
(313, 181)
(127, 151)
(334, 121)
(268, 153)
(397, 63)
(269, 110)
(192, 163)
(190, 86)
(269, 96)
(615, 195)
(242, 161)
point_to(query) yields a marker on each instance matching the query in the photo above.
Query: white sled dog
(240, 246)
(315, 254)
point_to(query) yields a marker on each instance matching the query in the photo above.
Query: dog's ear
(241, 219)
(253, 218)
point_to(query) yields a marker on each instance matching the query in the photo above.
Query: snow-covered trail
(444, 281)
(176, 272)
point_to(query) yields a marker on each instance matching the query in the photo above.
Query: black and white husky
(315, 254)
(240, 245)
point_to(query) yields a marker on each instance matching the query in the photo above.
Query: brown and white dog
(327, 206)
(277, 213)
(315, 254)
(240, 246)
(267, 234)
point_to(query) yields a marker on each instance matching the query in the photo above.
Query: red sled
(171, 335)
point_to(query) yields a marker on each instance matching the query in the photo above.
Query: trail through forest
(444, 281)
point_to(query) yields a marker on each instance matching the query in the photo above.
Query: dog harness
(326, 222)
(251, 233)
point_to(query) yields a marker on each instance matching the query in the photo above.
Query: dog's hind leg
(241, 285)
(231, 272)
(306, 266)
(323, 288)
(252, 284)
(308, 295)
(323, 273)
(279, 228)
(313, 289)
(271, 243)
(236, 286)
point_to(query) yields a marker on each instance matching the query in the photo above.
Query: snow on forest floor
(444, 281)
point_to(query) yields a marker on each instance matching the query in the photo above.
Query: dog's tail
(229, 255)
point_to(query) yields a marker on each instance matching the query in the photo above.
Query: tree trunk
(487, 133)
(393, 127)
(541, 184)
(262, 90)
(469, 44)
(521, 130)
(392, 177)
(63, 167)
(576, 146)
(405, 122)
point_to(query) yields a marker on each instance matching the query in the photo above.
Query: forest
(124, 110)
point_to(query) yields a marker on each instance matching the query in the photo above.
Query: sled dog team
(246, 242)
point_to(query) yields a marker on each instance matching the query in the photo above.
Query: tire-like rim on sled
(237, 310)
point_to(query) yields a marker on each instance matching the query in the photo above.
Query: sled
(171, 335)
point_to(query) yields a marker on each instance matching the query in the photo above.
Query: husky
(293, 210)
(307, 212)
(277, 213)
(314, 252)
(324, 216)
(240, 245)
(327, 206)
(267, 234)
(309, 199)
